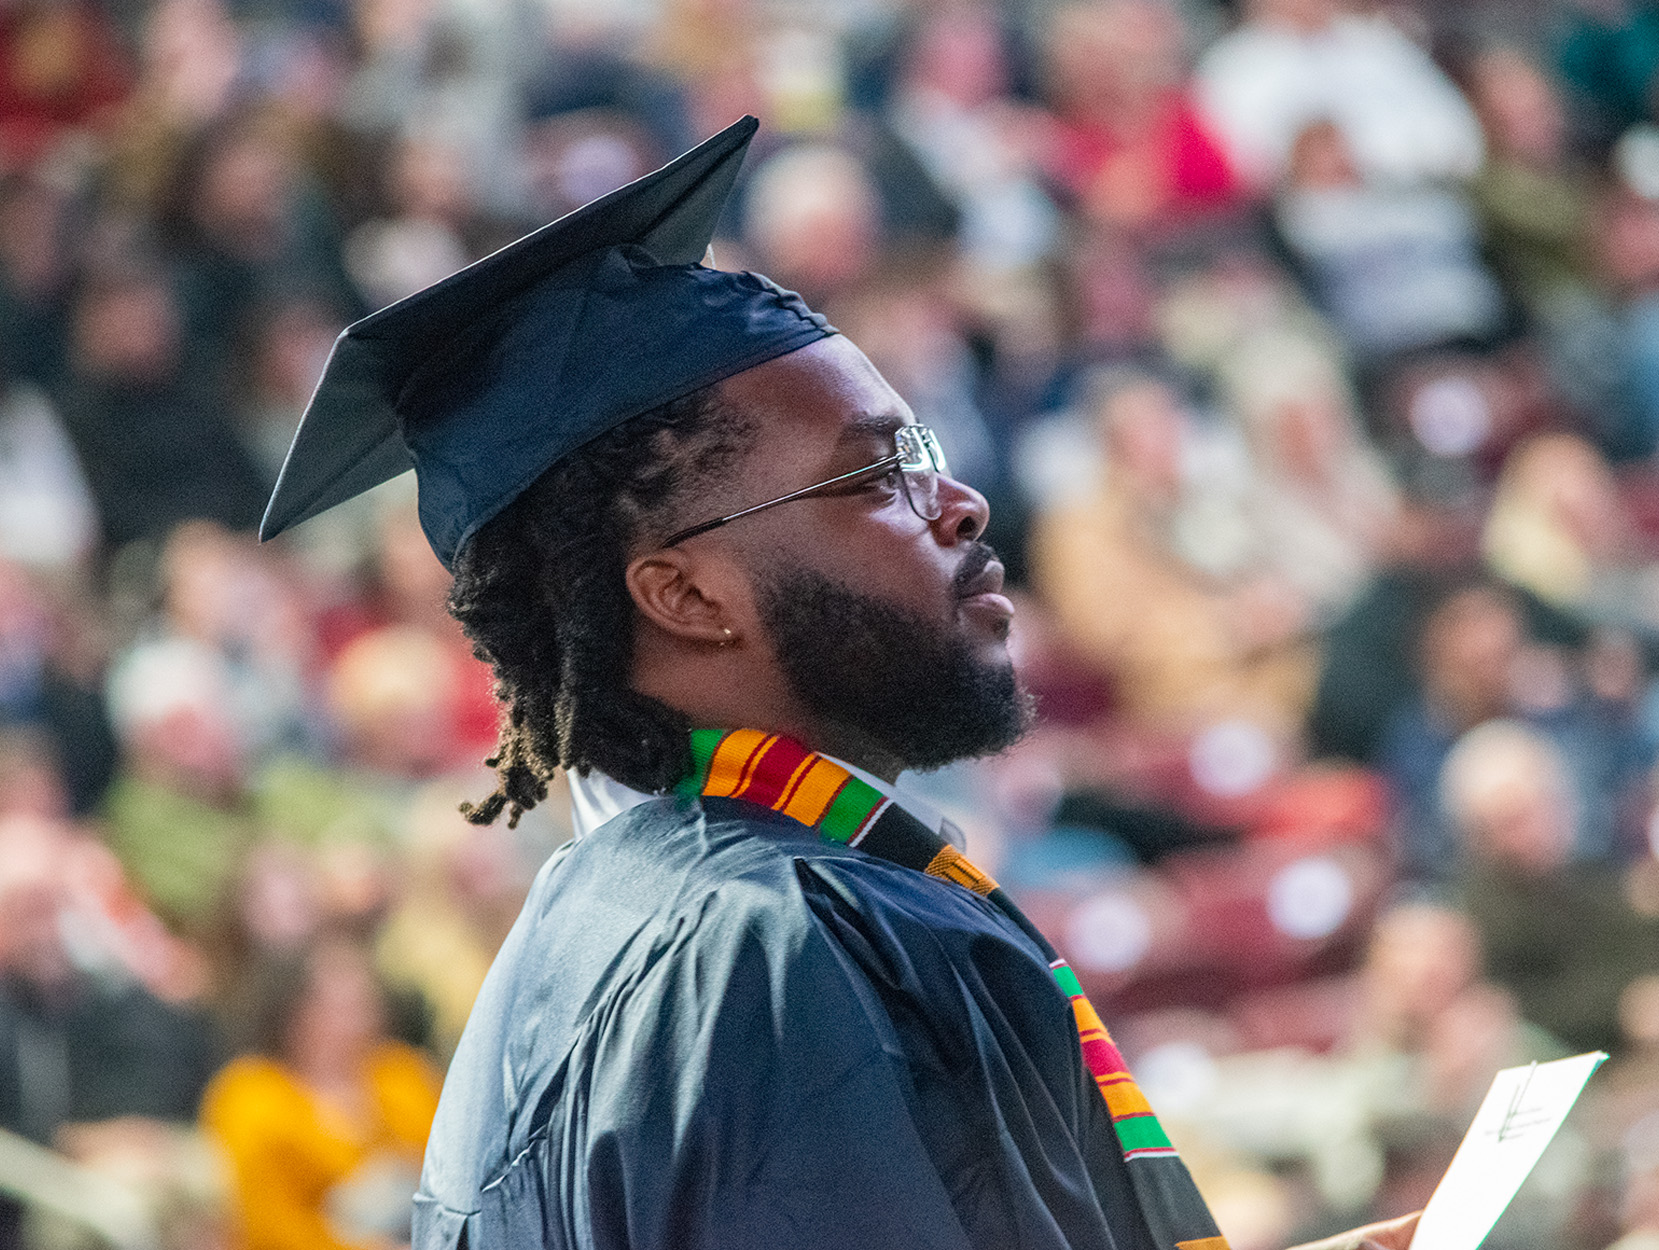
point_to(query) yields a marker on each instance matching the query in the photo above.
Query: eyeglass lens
(924, 461)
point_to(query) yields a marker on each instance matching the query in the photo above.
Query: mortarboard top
(484, 380)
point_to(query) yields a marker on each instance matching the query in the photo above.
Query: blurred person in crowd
(395, 694)
(1623, 1103)
(63, 71)
(616, 69)
(1433, 1030)
(952, 104)
(52, 653)
(1277, 371)
(1467, 652)
(1625, 233)
(1223, 317)
(1154, 576)
(192, 58)
(1639, 1199)
(110, 927)
(246, 224)
(1562, 935)
(1559, 530)
(731, 57)
(428, 234)
(917, 340)
(1370, 662)
(220, 589)
(813, 217)
(1425, 995)
(1108, 302)
(1396, 265)
(191, 61)
(1538, 202)
(1605, 729)
(1128, 147)
(177, 815)
(400, 613)
(37, 217)
(287, 891)
(1322, 495)
(1535, 198)
(154, 446)
(664, 630)
(453, 74)
(1291, 64)
(463, 888)
(576, 156)
(325, 1124)
(30, 782)
(288, 342)
(81, 1041)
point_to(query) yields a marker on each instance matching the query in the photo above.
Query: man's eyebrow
(870, 426)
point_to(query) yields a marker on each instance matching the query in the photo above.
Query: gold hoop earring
(730, 639)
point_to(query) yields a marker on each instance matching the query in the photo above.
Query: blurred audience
(1308, 351)
(1292, 63)
(1561, 935)
(1396, 265)
(1129, 148)
(92, 1061)
(1157, 576)
(325, 1123)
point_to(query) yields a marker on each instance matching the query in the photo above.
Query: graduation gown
(711, 1029)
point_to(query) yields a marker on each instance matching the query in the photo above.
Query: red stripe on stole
(771, 773)
(1103, 1058)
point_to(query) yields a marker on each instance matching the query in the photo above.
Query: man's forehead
(827, 394)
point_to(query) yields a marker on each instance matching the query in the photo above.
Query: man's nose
(963, 512)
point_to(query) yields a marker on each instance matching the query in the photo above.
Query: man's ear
(684, 596)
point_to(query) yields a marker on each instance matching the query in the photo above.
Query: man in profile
(729, 585)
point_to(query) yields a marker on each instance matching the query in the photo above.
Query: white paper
(1521, 1113)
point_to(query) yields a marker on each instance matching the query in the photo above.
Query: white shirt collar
(597, 798)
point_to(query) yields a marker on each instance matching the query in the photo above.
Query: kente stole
(784, 776)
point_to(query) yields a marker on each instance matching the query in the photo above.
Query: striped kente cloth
(783, 775)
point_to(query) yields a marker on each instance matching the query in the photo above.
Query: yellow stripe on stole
(1124, 1098)
(1203, 1243)
(951, 865)
(1089, 1023)
(730, 767)
(814, 791)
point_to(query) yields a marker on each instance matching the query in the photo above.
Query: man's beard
(899, 680)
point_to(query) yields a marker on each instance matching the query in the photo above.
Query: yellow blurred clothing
(432, 946)
(293, 1154)
(1161, 630)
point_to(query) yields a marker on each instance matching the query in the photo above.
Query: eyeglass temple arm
(881, 466)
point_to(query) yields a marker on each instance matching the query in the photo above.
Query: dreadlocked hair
(539, 591)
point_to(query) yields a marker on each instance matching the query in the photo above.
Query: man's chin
(985, 722)
(930, 694)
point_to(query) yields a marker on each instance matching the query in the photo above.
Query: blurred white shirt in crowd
(1403, 119)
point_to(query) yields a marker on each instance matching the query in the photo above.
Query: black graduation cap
(484, 380)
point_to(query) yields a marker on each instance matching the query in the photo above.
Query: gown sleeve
(740, 1093)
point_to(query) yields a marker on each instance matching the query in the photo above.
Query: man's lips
(981, 590)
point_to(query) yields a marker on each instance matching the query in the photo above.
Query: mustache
(979, 556)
